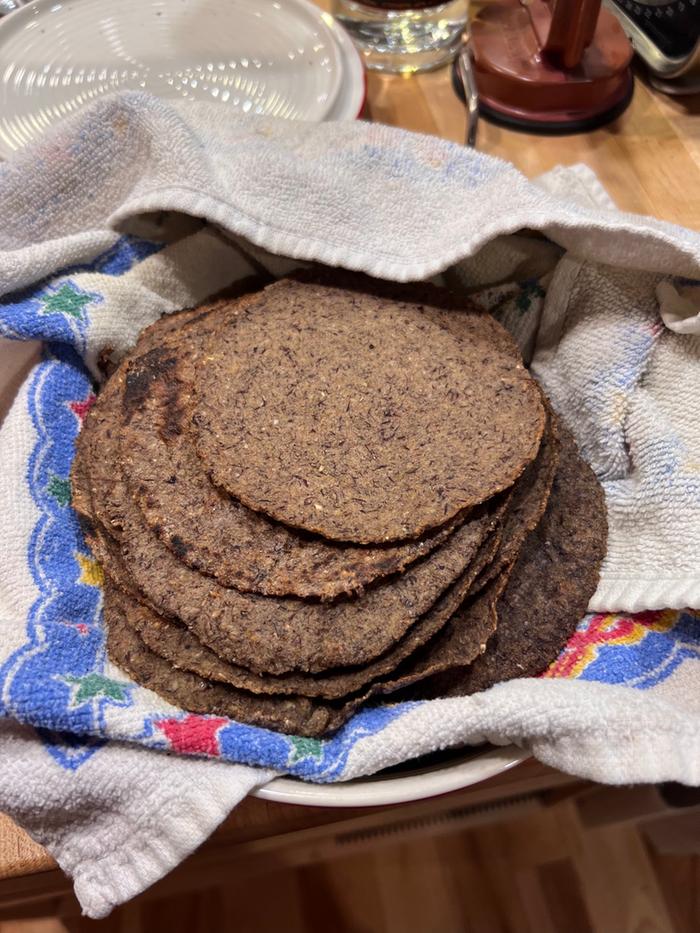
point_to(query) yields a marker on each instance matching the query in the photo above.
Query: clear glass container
(404, 36)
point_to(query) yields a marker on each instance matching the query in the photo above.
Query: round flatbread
(208, 529)
(275, 635)
(291, 715)
(405, 606)
(357, 417)
(288, 714)
(96, 446)
(178, 645)
(550, 585)
(183, 650)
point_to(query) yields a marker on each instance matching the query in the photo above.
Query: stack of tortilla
(329, 493)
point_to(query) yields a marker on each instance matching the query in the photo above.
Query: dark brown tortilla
(344, 682)
(550, 586)
(554, 572)
(206, 528)
(291, 715)
(527, 503)
(275, 635)
(94, 449)
(164, 579)
(454, 644)
(183, 650)
(180, 647)
(96, 446)
(359, 418)
(288, 714)
(286, 627)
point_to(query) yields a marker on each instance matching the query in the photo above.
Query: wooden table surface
(648, 160)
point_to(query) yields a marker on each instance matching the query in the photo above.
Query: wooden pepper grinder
(551, 66)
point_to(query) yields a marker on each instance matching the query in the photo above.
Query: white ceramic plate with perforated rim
(282, 58)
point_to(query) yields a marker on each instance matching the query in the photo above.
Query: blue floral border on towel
(56, 680)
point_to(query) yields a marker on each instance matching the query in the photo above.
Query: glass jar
(404, 35)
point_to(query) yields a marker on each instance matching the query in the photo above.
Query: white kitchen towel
(135, 208)
(124, 818)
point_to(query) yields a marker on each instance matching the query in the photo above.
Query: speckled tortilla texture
(528, 502)
(177, 644)
(311, 627)
(208, 529)
(403, 604)
(550, 585)
(454, 644)
(495, 595)
(357, 417)
(97, 443)
(291, 715)
(94, 446)
(299, 715)
(467, 632)
(277, 635)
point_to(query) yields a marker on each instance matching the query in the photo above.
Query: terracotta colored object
(550, 64)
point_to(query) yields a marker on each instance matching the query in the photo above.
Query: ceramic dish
(353, 90)
(434, 774)
(282, 58)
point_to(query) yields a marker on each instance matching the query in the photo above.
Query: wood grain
(544, 872)
(648, 159)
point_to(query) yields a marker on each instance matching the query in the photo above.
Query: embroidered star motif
(95, 687)
(59, 488)
(193, 735)
(66, 300)
(90, 571)
(80, 409)
(305, 748)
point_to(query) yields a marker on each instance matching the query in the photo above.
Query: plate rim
(332, 31)
(355, 74)
(386, 790)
